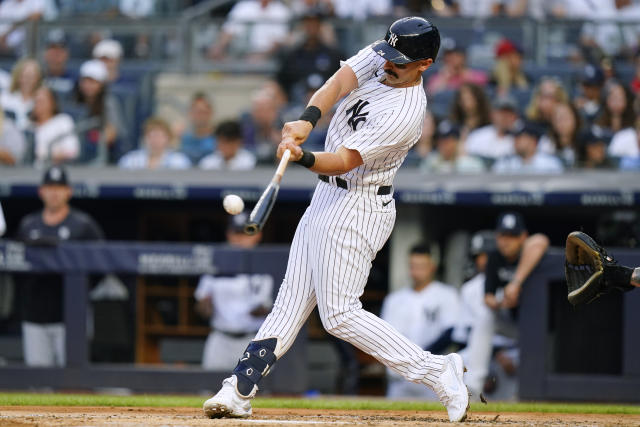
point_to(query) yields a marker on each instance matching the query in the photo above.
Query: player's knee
(335, 324)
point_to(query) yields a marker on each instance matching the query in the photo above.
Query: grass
(29, 399)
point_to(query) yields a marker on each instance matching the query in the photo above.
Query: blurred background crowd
(519, 86)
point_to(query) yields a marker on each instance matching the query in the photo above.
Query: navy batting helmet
(408, 40)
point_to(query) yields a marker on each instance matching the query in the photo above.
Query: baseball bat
(262, 209)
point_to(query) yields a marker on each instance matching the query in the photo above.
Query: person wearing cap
(311, 56)
(454, 71)
(589, 100)
(508, 267)
(98, 114)
(424, 312)
(57, 75)
(230, 153)
(109, 51)
(236, 305)
(448, 157)
(495, 140)
(592, 152)
(17, 102)
(527, 159)
(43, 330)
(156, 152)
(507, 72)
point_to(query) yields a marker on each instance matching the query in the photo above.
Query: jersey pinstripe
(342, 229)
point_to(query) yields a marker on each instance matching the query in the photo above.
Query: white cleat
(452, 391)
(228, 403)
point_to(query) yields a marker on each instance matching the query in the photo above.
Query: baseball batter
(350, 217)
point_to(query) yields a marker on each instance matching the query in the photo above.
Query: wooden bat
(262, 209)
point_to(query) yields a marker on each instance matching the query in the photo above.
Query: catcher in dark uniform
(591, 272)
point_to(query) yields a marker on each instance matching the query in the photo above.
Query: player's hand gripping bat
(262, 209)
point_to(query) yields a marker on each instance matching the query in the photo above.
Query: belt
(383, 190)
(236, 334)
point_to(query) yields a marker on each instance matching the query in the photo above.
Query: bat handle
(282, 166)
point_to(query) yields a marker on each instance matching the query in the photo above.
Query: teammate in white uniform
(425, 312)
(350, 217)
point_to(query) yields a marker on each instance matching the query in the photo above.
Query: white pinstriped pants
(329, 262)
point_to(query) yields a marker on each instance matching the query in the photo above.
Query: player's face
(421, 269)
(509, 245)
(405, 75)
(54, 197)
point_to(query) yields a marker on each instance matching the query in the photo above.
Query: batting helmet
(408, 40)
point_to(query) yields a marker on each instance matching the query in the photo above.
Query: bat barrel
(251, 228)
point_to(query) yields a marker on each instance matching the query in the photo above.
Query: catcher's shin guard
(255, 363)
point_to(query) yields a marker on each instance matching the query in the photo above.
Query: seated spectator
(592, 153)
(496, 139)
(470, 109)
(261, 126)
(12, 143)
(95, 8)
(57, 75)
(17, 102)
(563, 136)
(448, 157)
(425, 313)
(617, 113)
(454, 71)
(527, 159)
(198, 140)
(634, 85)
(425, 144)
(625, 143)
(311, 57)
(589, 101)
(156, 152)
(507, 72)
(110, 52)
(547, 94)
(13, 14)
(98, 115)
(264, 24)
(55, 138)
(229, 154)
(359, 10)
(476, 9)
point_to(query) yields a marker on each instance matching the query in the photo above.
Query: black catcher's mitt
(589, 271)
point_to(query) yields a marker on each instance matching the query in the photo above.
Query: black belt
(383, 190)
(236, 334)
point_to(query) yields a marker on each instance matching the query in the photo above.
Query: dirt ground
(106, 416)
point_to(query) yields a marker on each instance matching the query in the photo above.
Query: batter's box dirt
(45, 416)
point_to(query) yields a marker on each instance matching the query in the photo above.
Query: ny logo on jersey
(356, 115)
(393, 39)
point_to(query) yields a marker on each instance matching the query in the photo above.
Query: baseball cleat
(451, 389)
(227, 403)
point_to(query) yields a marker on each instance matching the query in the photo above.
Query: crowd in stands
(505, 118)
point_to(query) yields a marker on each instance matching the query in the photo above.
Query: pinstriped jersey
(381, 122)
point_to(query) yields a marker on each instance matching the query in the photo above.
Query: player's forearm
(532, 252)
(329, 164)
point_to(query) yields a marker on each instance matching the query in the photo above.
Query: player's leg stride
(234, 398)
(451, 390)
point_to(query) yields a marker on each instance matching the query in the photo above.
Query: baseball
(233, 204)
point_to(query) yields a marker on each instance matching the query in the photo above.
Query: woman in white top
(17, 102)
(55, 137)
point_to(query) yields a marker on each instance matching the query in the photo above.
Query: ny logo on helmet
(393, 39)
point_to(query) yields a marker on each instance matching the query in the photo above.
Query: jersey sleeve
(382, 135)
(92, 230)
(364, 64)
(203, 290)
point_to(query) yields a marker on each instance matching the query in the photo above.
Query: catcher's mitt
(589, 271)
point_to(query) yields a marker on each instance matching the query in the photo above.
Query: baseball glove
(589, 271)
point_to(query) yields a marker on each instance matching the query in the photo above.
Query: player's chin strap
(255, 363)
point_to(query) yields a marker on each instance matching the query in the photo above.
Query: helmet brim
(385, 50)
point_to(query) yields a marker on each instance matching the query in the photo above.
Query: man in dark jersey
(43, 331)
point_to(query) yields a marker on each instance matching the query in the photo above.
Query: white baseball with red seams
(233, 204)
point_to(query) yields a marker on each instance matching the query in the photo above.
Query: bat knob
(251, 228)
